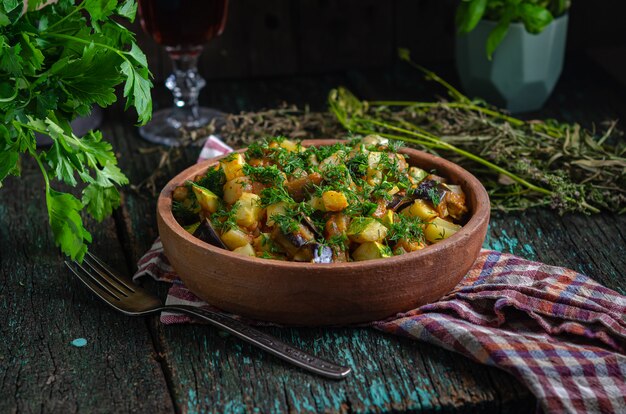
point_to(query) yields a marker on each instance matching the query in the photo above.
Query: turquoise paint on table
(192, 402)
(508, 244)
(301, 403)
(234, 407)
(378, 391)
(79, 342)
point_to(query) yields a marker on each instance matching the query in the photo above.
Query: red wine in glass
(182, 26)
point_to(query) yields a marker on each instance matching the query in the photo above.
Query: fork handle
(266, 342)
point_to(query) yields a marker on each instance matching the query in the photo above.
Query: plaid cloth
(559, 332)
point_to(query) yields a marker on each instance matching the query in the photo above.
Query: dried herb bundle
(522, 163)
(239, 130)
(288, 121)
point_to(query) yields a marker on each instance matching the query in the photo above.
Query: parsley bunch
(56, 62)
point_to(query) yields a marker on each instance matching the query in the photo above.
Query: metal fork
(122, 294)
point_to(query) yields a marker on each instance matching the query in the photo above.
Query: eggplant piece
(305, 254)
(321, 253)
(292, 242)
(207, 233)
(314, 253)
(301, 236)
(282, 241)
(429, 188)
(398, 202)
(301, 246)
(308, 222)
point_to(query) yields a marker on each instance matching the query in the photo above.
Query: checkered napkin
(557, 331)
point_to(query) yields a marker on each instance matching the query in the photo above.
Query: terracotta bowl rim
(481, 213)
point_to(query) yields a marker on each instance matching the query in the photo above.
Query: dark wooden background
(271, 38)
(300, 49)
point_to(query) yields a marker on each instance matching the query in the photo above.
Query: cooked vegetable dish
(337, 203)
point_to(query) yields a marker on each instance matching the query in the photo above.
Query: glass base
(160, 130)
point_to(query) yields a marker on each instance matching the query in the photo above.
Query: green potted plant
(59, 58)
(510, 52)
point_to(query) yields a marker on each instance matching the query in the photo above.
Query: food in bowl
(344, 202)
(311, 294)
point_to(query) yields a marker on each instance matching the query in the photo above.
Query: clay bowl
(307, 294)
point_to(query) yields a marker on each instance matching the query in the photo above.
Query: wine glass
(182, 26)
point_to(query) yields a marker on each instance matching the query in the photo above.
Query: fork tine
(110, 272)
(92, 282)
(106, 277)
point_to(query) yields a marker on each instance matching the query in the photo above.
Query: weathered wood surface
(287, 37)
(42, 309)
(139, 365)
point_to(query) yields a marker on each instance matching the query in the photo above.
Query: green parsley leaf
(67, 225)
(56, 62)
(10, 5)
(10, 61)
(128, 9)
(90, 79)
(137, 91)
(8, 163)
(4, 20)
(100, 9)
(100, 201)
(138, 55)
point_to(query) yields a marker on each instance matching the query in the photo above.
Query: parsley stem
(44, 172)
(32, 128)
(87, 42)
(76, 10)
(10, 98)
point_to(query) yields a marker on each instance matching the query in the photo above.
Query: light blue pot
(524, 69)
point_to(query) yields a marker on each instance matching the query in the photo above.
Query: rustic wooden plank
(340, 35)
(273, 45)
(391, 374)
(228, 56)
(209, 372)
(282, 37)
(43, 309)
(427, 28)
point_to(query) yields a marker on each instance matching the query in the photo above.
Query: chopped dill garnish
(287, 222)
(273, 195)
(214, 180)
(395, 145)
(434, 196)
(407, 228)
(266, 175)
(224, 219)
(339, 241)
(358, 165)
(337, 175)
(185, 213)
(256, 150)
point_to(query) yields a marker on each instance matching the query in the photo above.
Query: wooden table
(140, 365)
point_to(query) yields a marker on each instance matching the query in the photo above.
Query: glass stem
(185, 84)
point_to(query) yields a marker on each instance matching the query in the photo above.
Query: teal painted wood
(212, 373)
(201, 370)
(43, 309)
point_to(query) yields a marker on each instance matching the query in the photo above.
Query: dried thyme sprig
(288, 121)
(522, 163)
(239, 130)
